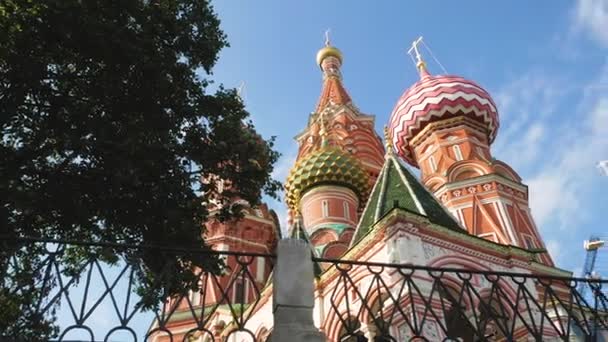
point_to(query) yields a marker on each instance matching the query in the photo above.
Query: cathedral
(351, 195)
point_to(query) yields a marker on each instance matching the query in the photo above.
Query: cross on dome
(414, 48)
(420, 64)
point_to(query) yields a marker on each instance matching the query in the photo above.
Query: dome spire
(420, 63)
(329, 59)
(387, 140)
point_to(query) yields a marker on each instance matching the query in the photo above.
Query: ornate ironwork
(388, 302)
(368, 301)
(228, 296)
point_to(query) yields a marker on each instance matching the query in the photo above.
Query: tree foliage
(108, 126)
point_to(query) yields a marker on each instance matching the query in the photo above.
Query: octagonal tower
(339, 158)
(445, 125)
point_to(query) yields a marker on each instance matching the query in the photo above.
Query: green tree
(108, 128)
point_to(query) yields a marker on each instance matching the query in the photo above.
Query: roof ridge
(407, 192)
(381, 176)
(400, 168)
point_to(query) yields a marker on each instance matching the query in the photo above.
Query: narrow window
(261, 263)
(529, 241)
(325, 208)
(432, 164)
(346, 210)
(457, 152)
(239, 292)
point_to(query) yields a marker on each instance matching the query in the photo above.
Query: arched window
(456, 322)
(493, 318)
(240, 292)
(528, 241)
(377, 323)
(457, 152)
(325, 208)
(346, 210)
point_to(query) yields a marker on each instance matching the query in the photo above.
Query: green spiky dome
(328, 165)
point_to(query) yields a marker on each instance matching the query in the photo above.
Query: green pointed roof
(397, 187)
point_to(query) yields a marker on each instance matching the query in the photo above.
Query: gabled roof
(397, 187)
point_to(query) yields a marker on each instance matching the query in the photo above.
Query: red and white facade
(445, 126)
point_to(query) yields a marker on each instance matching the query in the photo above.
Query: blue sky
(544, 62)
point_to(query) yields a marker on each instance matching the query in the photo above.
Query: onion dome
(329, 59)
(328, 51)
(435, 98)
(328, 165)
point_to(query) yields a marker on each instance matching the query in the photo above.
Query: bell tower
(339, 158)
(445, 126)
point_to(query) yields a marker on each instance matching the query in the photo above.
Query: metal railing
(80, 284)
(388, 302)
(68, 300)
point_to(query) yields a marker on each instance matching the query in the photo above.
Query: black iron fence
(387, 302)
(58, 291)
(67, 291)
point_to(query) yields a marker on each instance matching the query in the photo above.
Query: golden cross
(414, 48)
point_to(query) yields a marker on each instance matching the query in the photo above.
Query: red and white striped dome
(435, 98)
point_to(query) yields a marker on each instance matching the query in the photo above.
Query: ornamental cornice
(482, 185)
(444, 124)
(424, 224)
(332, 110)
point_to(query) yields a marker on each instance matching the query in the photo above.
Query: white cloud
(591, 17)
(549, 191)
(557, 187)
(556, 150)
(526, 105)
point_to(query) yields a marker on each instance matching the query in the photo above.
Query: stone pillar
(293, 294)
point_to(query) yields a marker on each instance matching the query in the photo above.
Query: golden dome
(327, 51)
(328, 165)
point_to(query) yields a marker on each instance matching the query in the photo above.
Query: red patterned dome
(435, 98)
